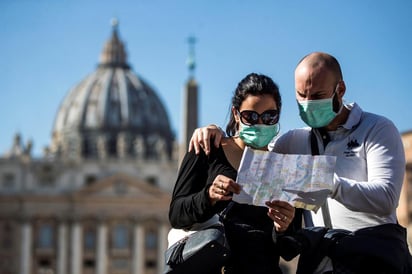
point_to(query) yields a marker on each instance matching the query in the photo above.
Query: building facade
(405, 204)
(97, 201)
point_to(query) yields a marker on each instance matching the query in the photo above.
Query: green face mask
(317, 113)
(258, 136)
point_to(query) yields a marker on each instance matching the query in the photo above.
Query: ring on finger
(284, 218)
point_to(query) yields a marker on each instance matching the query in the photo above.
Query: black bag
(376, 249)
(204, 251)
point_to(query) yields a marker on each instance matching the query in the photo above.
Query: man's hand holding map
(304, 181)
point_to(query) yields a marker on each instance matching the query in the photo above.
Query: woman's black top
(248, 228)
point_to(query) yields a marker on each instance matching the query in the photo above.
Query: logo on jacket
(350, 147)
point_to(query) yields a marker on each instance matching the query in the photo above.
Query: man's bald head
(320, 63)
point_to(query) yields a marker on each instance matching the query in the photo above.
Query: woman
(205, 184)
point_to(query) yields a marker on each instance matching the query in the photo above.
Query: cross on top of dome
(115, 22)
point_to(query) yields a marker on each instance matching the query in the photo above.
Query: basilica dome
(112, 113)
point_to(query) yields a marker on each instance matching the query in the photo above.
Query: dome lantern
(114, 53)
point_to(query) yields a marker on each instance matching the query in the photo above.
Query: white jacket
(369, 169)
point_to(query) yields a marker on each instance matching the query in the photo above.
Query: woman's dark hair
(253, 84)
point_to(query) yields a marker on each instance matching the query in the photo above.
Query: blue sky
(47, 47)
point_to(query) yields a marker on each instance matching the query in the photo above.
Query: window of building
(90, 179)
(89, 239)
(152, 180)
(44, 266)
(45, 236)
(46, 175)
(151, 239)
(44, 263)
(151, 264)
(120, 237)
(8, 181)
(89, 263)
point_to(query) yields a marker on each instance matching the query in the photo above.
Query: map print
(305, 181)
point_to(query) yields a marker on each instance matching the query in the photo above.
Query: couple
(368, 176)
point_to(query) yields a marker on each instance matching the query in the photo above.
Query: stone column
(102, 147)
(162, 246)
(62, 248)
(122, 145)
(101, 248)
(26, 246)
(76, 244)
(139, 147)
(138, 249)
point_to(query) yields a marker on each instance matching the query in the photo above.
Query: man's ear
(341, 89)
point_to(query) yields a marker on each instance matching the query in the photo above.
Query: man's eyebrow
(320, 92)
(301, 93)
(313, 93)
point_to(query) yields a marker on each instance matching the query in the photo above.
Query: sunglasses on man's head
(250, 117)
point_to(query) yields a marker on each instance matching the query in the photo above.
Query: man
(370, 158)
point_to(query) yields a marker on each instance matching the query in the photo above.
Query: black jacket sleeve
(190, 201)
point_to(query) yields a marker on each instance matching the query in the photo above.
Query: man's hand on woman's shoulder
(201, 138)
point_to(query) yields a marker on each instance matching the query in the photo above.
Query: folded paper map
(304, 181)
